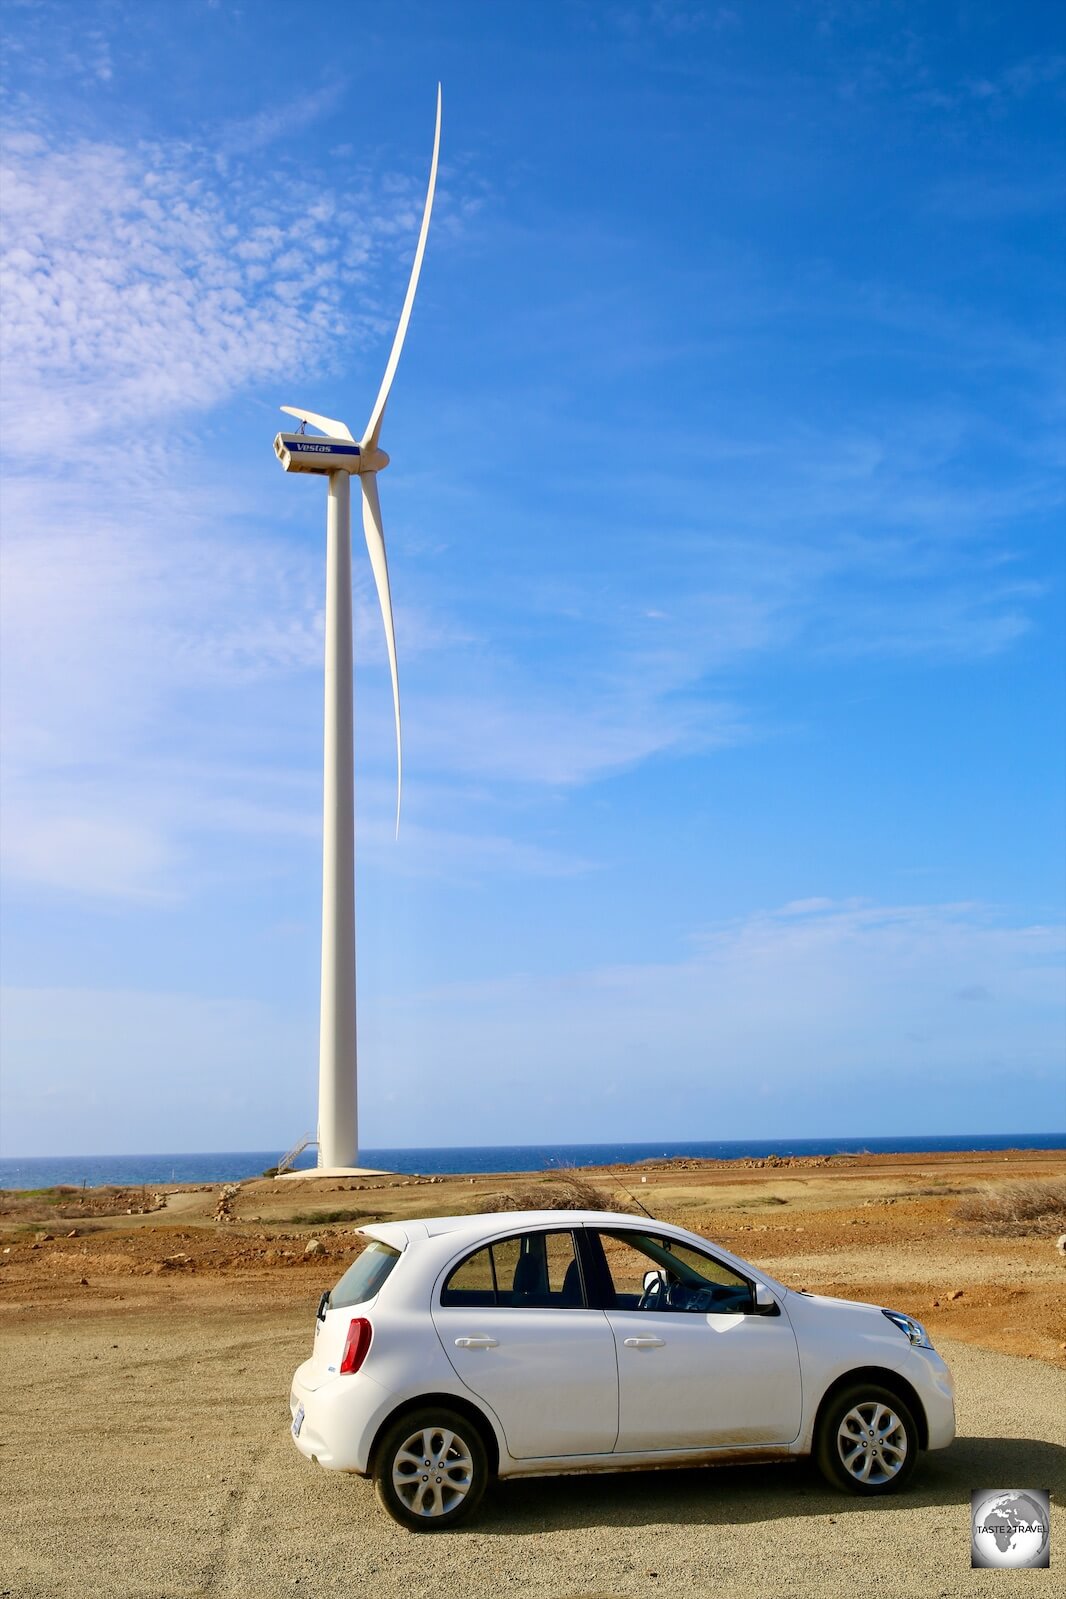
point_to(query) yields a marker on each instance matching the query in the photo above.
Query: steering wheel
(653, 1297)
(681, 1296)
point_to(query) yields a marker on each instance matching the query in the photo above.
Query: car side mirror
(654, 1282)
(765, 1303)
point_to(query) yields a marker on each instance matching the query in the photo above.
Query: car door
(698, 1366)
(515, 1324)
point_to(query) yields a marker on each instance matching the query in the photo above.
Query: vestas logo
(306, 447)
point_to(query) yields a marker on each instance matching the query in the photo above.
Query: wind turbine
(335, 454)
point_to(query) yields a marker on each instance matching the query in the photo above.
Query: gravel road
(148, 1457)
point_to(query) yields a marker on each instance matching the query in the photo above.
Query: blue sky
(725, 530)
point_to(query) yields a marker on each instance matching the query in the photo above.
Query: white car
(456, 1349)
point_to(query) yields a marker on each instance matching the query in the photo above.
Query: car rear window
(364, 1276)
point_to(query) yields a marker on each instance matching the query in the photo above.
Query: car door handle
(644, 1343)
(475, 1343)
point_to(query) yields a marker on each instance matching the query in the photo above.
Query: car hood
(848, 1317)
(827, 1303)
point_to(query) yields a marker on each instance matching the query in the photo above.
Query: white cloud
(130, 583)
(84, 1069)
(280, 121)
(452, 854)
(873, 1004)
(140, 283)
(127, 302)
(113, 856)
(532, 737)
(818, 1019)
(142, 286)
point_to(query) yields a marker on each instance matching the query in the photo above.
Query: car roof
(489, 1224)
(443, 1237)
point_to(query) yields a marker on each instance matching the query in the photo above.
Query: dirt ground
(147, 1351)
(878, 1227)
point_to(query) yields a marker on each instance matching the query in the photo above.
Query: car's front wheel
(866, 1441)
(431, 1469)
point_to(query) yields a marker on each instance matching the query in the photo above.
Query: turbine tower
(335, 454)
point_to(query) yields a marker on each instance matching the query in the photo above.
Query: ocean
(47, 1171)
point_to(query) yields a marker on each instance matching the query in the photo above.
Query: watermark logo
(1010, 1527)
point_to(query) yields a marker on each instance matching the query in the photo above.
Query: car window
(473, 1282)
(364, 1276)
(685, 1279)
(529, 1271)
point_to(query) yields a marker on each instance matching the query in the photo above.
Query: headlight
(909, 1327)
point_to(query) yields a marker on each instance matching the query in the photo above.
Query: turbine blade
(335, 430)
(375, 543)
(373, 427)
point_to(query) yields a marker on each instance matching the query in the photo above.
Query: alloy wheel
(432, 1472)
(872, 1443)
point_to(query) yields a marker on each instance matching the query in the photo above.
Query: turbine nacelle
(309, 452)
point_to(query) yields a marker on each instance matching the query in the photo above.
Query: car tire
(431, 1469)
(866, 1440)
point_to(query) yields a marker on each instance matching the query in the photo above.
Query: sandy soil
(147, 1360)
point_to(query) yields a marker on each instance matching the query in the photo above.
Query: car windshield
(364, 1276)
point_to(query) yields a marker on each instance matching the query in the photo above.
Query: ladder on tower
(286, 1162)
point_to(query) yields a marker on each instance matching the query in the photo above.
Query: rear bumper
(341, 1419)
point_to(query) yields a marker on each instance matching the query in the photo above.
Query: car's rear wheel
(866, 1441)
(431, 1469)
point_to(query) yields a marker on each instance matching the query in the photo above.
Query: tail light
(356, 1344)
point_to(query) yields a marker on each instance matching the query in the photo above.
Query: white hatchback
(456, 1349)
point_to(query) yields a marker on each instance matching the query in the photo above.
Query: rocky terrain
(895, 1229)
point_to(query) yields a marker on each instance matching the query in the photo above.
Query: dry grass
(317, 1218)
(938, 1191)
(1018, 1210)
(565, 1189)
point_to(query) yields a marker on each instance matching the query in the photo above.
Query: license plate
(297, 1422)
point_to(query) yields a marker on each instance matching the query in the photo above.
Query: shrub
(1017, 1210)
(320, 1218)
(565, 1189)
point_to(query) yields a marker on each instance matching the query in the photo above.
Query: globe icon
(1011, 1528)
